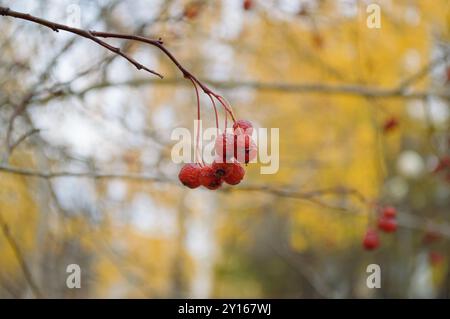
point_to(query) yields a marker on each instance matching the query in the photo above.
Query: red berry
(389, 212)
(209, 179)
(221, 170)
(243, 127)
(236, 174)
(371, 240)
(224, 146)
(189, 175)
(435, 258)
(390, 124)
(245, 149)
(247, 4)
(386, 224)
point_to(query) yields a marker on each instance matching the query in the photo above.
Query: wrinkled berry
(209, 179)
(189, 175)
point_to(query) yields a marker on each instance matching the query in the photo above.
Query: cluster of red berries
(387, 223)
(231, 150)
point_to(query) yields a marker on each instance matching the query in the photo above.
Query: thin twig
(21, 139)
(422, 72)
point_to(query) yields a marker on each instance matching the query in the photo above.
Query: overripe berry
(189, 175)
(245, 148)
(389, 212)
(371, 240)
(235, 175)
(387, 224)
(243, 127)
(224, 147)
(221, 170)
(209, 179)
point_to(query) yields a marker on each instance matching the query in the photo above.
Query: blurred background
(363, 115)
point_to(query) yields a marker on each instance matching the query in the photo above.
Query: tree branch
(95, 175)
(405, 220)
(291, 88)
(83, 33)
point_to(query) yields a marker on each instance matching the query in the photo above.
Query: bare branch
(291, 88)
(83, 33)
(405, 220)
(96, 175)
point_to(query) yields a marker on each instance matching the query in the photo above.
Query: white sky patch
(397, 187)
(150, 219)
(150, 155)
(348, 8)
(221, 66)
(74, 193)
(163, 117)
(421, 280)
(82, 135)
(291, 6)
(117, 190)
(201, 241)
(135, 118)
(231, 20)
(437, 110)
(112, 102)
(410, 164)
(412, 60)
(412, 16)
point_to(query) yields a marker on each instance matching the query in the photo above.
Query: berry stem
(226, 120)
(199, 158)
(215, 113)
(226, 105)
